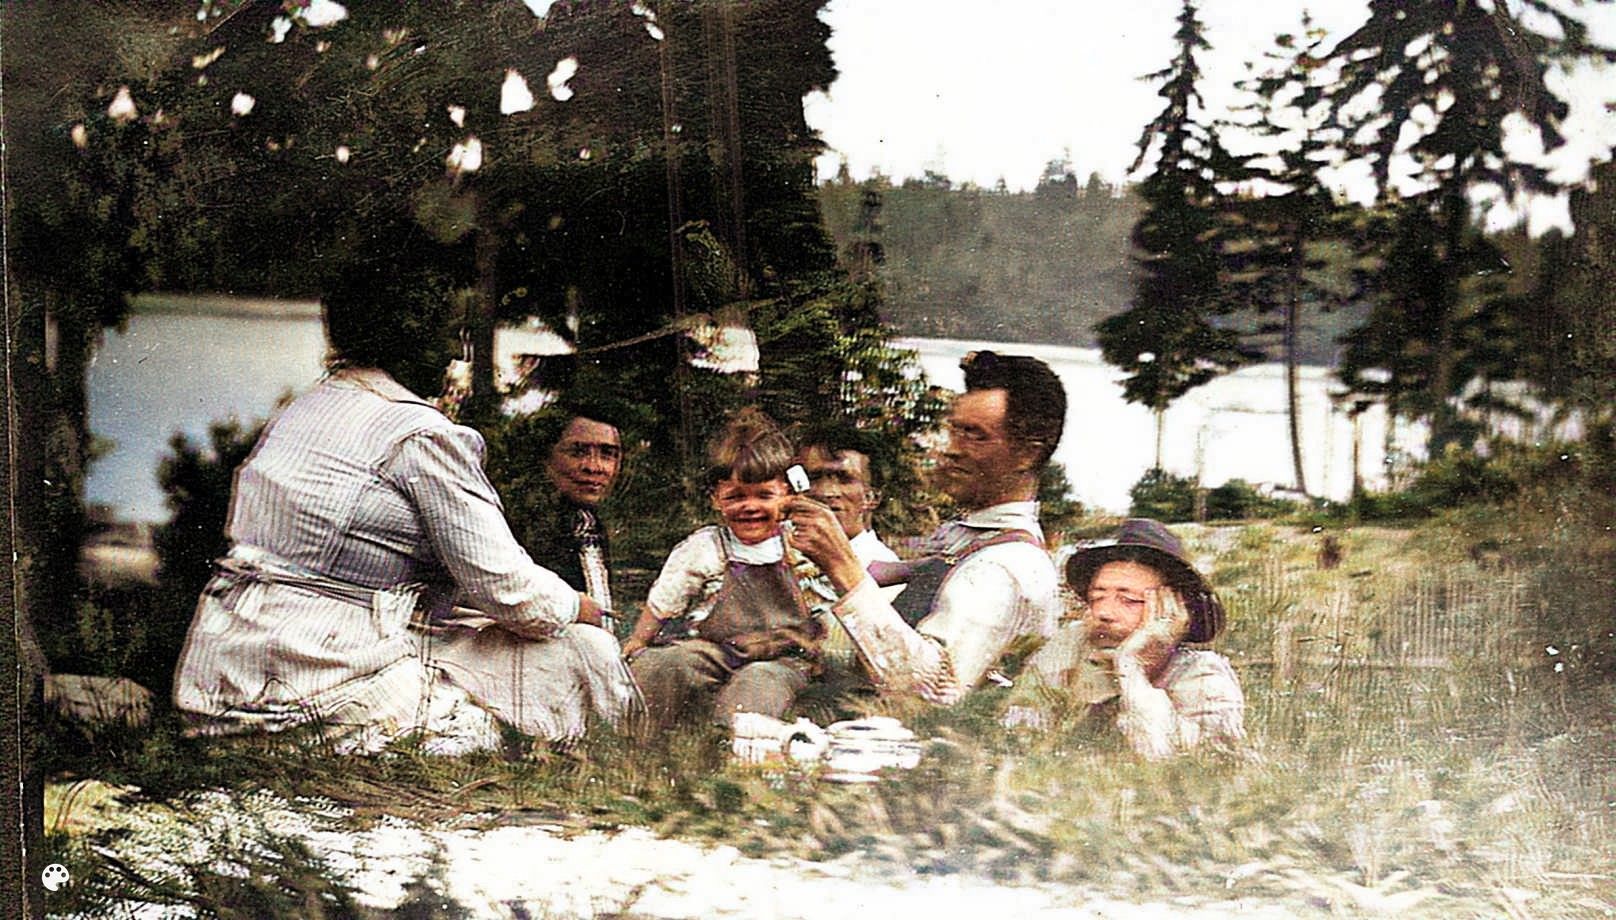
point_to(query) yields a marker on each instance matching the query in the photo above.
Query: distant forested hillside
(1041, 266)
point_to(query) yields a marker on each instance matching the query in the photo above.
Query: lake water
(171, 373)
(177, 369)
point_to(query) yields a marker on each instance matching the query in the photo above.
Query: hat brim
(1205, 610)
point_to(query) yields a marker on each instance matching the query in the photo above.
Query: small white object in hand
(798, 478)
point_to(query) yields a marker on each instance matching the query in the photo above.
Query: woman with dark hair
(360, 519)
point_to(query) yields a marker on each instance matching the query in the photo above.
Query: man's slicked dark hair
(1035, 408)
(834, 436)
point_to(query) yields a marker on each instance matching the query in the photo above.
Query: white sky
(983, 91)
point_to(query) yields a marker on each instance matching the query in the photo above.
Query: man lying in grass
(1124, 660)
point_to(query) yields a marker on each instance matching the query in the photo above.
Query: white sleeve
(899, 658)
(693, 565)
(982, 608)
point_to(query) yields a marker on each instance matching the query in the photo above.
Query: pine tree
(1403, 269)
(1167, 340)
(1585, 267)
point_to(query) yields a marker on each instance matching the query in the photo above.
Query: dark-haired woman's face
(585, 461)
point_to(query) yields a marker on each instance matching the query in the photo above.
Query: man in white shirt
(998, 583)
(842, 478)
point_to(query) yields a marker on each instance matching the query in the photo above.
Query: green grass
(1414, 752)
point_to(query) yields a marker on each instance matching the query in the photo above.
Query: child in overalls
(751, 640)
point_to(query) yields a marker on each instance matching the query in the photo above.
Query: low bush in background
(1173, 499)
(1161, 495)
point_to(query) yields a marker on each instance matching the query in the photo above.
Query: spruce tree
(1449, 74)
(1169, 340)
(1278, 232)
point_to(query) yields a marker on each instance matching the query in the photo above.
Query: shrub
(1161, 495)
(1058, 512)
(1238, 500)
(1459, 477)
(198, 480)
(135, 629)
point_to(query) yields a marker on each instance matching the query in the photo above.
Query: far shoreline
(227, 305)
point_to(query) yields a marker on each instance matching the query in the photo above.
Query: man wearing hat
(1141, 600)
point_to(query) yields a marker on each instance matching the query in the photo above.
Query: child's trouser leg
(673, 677)
(766, 687)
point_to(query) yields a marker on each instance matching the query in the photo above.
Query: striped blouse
(362, 483)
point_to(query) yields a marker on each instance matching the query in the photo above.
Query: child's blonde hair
(751, 448)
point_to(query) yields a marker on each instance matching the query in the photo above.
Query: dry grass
(1414, 752)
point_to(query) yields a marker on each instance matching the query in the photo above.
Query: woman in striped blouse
(362, 517)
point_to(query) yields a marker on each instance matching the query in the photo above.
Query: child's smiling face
(751, 509)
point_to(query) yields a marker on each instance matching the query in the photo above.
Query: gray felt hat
(1165, 553)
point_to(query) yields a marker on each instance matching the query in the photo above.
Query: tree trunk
(676, 248)
(724, 129)
(1444, 419)
(29, 405)
(1357, 454)
(482, 332)
(1161, 428)
(1293, 309)
(77, 335)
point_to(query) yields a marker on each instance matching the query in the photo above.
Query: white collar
(1006, 516)
(375, 380)
(768, 552)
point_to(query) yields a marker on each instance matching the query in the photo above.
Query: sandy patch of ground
(544, 870)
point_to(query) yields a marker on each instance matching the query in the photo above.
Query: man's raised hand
(817, 534)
